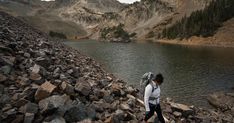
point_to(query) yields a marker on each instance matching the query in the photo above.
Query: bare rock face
(44, 91)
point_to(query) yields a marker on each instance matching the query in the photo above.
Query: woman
(152, 98)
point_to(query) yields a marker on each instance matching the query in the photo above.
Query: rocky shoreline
(44, 81)
(196, 41)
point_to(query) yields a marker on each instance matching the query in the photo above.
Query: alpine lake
(190, 73)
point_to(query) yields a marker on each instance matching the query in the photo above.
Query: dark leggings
(158, 110)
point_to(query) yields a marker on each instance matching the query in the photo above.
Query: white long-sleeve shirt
(149, 93)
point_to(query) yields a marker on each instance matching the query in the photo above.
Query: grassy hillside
(70, 29)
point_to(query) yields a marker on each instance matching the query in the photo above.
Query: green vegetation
(203, 22)
(116, 32)
(58, 35)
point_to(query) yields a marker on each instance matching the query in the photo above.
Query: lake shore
(196, 41)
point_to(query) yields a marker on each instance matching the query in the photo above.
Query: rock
(184, 109)
(125, 107)
(76, 72)
(35, 76)
(56, 70)
(98, 106)
(70, 71)
(51, 104)
(230, 94)
(20, 102)
(221, 101)
(168, 109)
(177, 114)
(232, 111)
(45, 62)
(35, 69)
(109, 78)
(227, 119)
(108, 98)
(7, 60)
(6, 69)
(57, 120)
(5, 49)
(11, 112)
(67, 88)
(131, 103)
(116, 89)
(62, 77)
(18, 119)
(29, 108)
(206, 120)
(86, 121)
(2, 78)
(83, 87)
(99, 93)
(27, 55)
(103, 83)
(79, 113)
(1, 89)
(4, 99)
(44, 91)
(28, 118)
(120, 116)
(23, 81)
(130, 90)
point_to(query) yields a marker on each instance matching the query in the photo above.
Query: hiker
(152, 98)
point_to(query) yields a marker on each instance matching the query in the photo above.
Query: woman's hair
(159, 78)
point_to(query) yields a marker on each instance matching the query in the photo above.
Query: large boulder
(57, 119)
(184, 109)
(29, 108)
(83, 87)
(29, 117)
(53, 103)
(221, 100)
(44, 91)
(67, 88)
(79, 113)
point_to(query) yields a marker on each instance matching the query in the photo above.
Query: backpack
(146, 79)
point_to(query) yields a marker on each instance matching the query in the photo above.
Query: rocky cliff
(147, 18)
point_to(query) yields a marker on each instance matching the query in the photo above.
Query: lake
(190, 72)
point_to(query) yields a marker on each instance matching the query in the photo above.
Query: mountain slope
(212, 25)
(147, 18)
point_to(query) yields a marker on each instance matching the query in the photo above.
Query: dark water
(191, 73)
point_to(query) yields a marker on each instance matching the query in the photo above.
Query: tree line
(202, 22)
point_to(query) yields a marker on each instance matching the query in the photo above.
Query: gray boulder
(79, 113)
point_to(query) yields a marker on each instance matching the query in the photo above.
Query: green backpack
(146, 79)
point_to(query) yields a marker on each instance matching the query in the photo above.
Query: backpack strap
(153, 98)
(153, 87)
